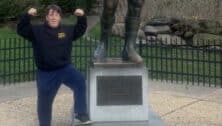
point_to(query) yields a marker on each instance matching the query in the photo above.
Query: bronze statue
(132, 25)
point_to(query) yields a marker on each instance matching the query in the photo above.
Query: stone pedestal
(118, 91)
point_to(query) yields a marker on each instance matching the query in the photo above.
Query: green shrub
(14, 8)
(69, 5)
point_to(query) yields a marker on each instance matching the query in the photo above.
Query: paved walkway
(176, 104)
(92, 21)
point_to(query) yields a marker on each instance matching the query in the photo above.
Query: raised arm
(81, 25)
(24, 27)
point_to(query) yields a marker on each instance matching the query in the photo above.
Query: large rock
(209, 23)
(187, 28)
(167, 39)
(188, 34)
(141, 34)
(151, 39)
(204, 39)
(214, 30)
(160, 21)
(154, 30)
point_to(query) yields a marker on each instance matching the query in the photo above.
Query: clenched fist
(79, 12)
(32, 11)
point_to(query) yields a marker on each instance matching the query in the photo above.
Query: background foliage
(11, 9)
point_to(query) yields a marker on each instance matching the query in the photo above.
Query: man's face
(53, 18)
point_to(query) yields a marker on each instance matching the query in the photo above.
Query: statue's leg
(107, 21)
(132, 26)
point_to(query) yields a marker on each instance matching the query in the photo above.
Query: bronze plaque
(119, 90)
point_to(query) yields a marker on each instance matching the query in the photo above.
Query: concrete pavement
(176, 104)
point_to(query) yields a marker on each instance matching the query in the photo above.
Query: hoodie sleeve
(24, 27)
(80, 27)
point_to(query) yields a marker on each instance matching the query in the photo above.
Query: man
(132, 25)
(52, 45)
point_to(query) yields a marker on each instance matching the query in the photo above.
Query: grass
(181, 64)
(95, 32)
(7, 32)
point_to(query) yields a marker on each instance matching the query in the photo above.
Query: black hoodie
(51, 46)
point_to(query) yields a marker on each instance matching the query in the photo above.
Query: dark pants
(48, 84)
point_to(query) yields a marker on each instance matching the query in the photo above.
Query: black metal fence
(199, 64)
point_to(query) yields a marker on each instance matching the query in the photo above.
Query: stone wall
(197, 9)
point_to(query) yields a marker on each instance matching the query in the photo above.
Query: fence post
(220, 68)
(140, 47)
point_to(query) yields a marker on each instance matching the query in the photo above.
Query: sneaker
(82, 119)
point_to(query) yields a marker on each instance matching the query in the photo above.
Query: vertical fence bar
(140, 47)
(33, 66)
(18, 41)
(166, 62)
(182, 64)
(146, 56)
(187, 65)
(215, 64)
(14, 60)
(4, 63)
(1, 61)
(192, 62)
(209, 65)
(86, 55)
(219, 61)
(220, 53)
(156, 60)
(151, 58)
(24, 54)
(10, 62)
(198, 63)
(177, 69)
(115, 47)
(161, 63)
(6, 60)
(80, 57)
(204, 70)
(28, 61)
(171, 60)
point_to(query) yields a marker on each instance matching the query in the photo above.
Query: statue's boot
(107, 21)
(100, 53)
(129, 53)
